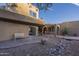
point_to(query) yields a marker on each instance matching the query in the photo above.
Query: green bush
(65, 31)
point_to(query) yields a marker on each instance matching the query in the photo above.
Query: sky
(60, 12)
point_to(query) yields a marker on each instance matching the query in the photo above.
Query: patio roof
(18, 18)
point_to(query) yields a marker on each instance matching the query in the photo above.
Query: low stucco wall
(8, 29)
(73, 27)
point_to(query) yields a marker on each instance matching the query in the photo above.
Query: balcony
(6, 15)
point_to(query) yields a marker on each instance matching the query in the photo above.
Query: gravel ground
(53, 47)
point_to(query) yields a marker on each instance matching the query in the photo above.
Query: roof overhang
(18, 18)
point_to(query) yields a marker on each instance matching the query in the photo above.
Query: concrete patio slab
(18, 42)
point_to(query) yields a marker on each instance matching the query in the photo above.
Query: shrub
(65, 31)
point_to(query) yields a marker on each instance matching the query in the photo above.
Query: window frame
(32, 13)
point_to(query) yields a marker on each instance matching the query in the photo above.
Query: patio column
(36, 31)
(55, 33)
(57, 30)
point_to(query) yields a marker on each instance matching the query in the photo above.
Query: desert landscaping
(53, 46)
(26, 30)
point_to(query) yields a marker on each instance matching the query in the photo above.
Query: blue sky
(61, 12)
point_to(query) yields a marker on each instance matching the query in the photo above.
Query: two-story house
(18, 19)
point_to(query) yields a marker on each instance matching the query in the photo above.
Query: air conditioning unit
(19, 35)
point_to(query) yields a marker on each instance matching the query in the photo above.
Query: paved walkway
(68, 37)
(19, 42)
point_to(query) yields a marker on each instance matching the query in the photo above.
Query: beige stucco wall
(25, 8)
(8, 29)
(73, 27)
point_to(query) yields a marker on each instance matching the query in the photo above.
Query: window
(36, 9)
(32, 13)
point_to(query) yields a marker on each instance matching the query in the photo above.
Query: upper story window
(33, 14)
(36, 9)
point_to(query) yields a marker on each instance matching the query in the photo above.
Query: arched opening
(32, 30)
(57, 30)
(40, 30)
(53, 28)
(44, 30)
(49, 29)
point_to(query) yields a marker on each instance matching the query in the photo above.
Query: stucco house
(19, 19)
(72, 28)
